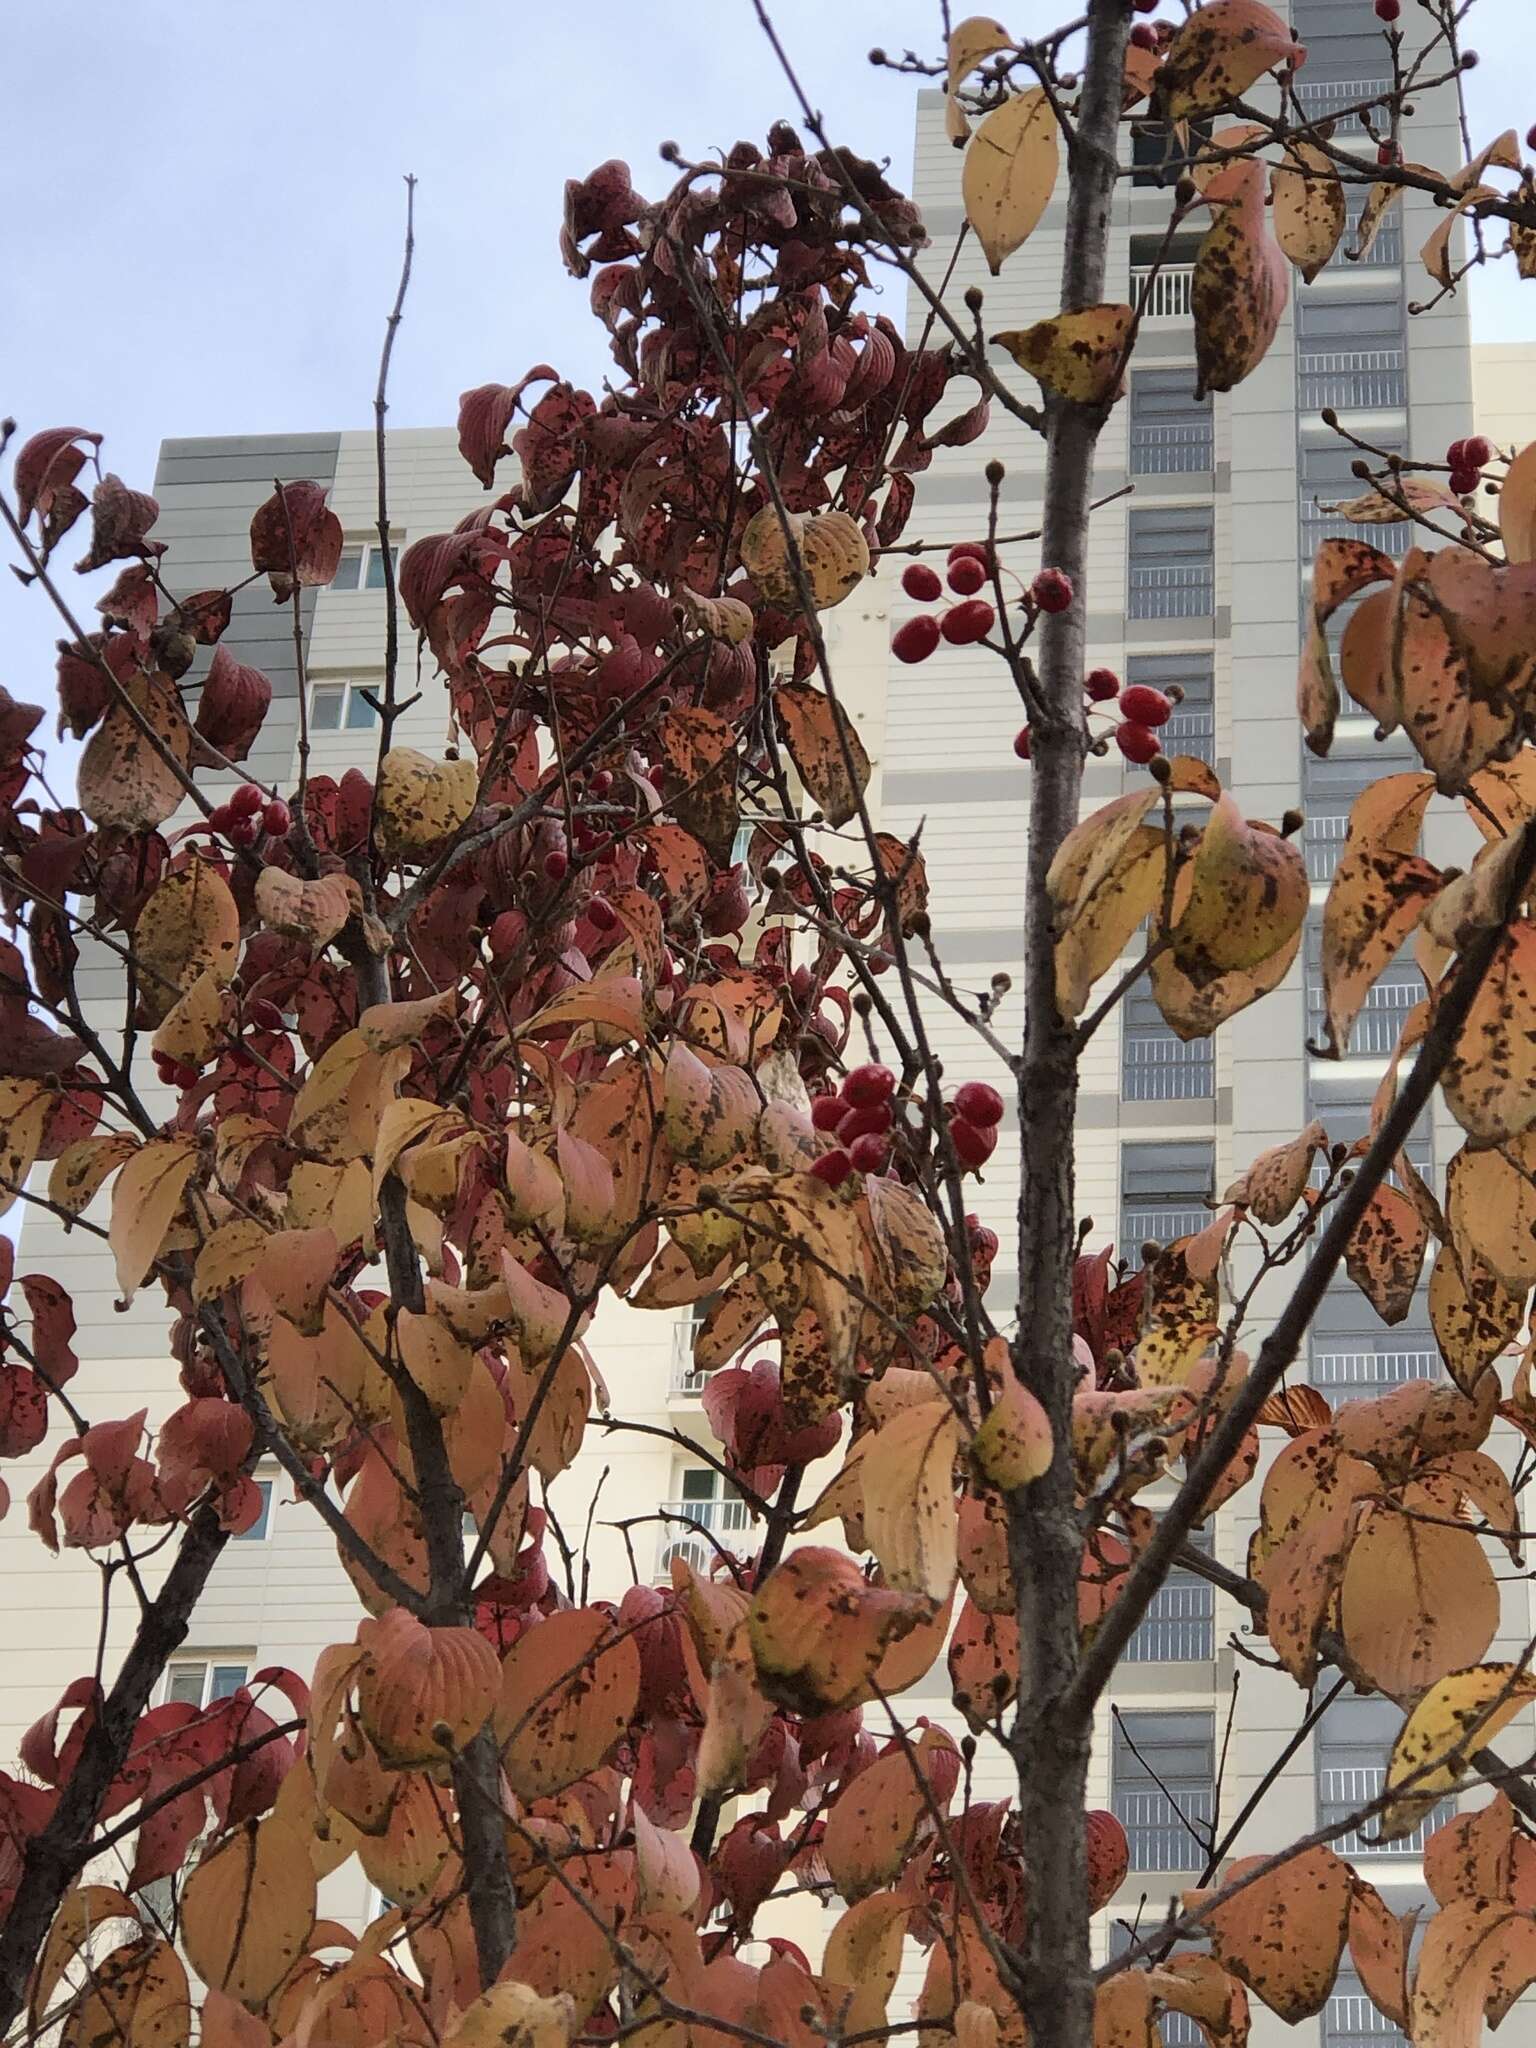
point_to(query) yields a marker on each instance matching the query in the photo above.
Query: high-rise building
(1198, 573)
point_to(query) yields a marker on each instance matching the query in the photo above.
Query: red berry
(870, 1152)
(973, 550)
(186, 1076)
(964, 623)
(868, 1086)
(277, 818)
(827, 1112)
(1465, 481)
(966, 576)
(1144, 6)
(984, 1242)
(1051, 590)
(1137, 743)
(556, 865)
(220, 818)
(1530, 137)
(921, 581)
(1102, 684)
(242, 832)
(1145, 706)
(1456, 455)
(1022, 742)
(832, 1168)
(979, 1103)
(602, 914)
(1386, 152)
(974, 1143)
(602, 782)
(247, 800)
(915, 639)
(165, 1068)
(863, 1123)
(1144, 36)
(1477, 453)
(1388, 10)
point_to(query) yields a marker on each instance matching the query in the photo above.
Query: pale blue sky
(203, 227)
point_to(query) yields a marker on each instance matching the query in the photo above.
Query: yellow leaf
(615, 1001)
(83, 1913)
(435, 1359)
(1277, 1179)
(863, 1959)
(1013, 1444)
(384, 1027)
(908, 1243)
(1458, 1715)
(1417, 1599)
(909, 1499)
(1009, 173)
(247, 1909)
(122, 779)
(193, 1029)
(24, 1107)
(189, 926)
(313, 911)
(1079, 355)
(405, 1122)
(145, 1197)
(1310, 210)
(1247, 896)
(136, 1998)
(826, 551)
(1475, 1317)
(971, 42)
(80, 1169)
(420, 802)
(1517, 507)
(1490, 1079)
(228, 1254)
(514, 2016)
(1240, 284)
(1341, 570)
(1219, 51)
(825, 747)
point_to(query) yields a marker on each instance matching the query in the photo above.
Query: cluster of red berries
(975, 1114)
(248, 813)
(1142, 710)
(174, 1073)
(966, 571)
(1467, 460)
(859, 1116)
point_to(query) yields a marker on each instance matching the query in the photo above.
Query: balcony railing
(722, 1518)
(1324, 842)
(1380, 1020)
(1159, 1839)
(1178, 1627)
(687, 1382)
(1171, 288)
(1172, 447)
(1190, 729)
(1344, 1791)
(1386, 250)
(1316, 527)
(1322, 99)
(1157, 1067)
(1351, 2021)
(1363, 1375)
(1159, 1225)
(1362, 379)
(1173, 590)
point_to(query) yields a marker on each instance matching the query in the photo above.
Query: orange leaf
(1240, 283)
(818, 1629)
(568, 1692)
(247, 1909)
(1220, 51)
(824, 744)
(1284, 1934)
(874, 1819)
(1417, 1599)
(423, 1692)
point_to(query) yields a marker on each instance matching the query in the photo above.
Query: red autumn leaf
(47, 466)
(203, 1443)
(120, 520)
(295, 538)
(53, 1326)
(484, 416)
(23, 1411)
(233, 705)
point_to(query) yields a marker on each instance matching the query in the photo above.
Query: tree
(455, 1049)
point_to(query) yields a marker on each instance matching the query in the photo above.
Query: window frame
(348, 690)
(367, 552)
(208, 1663)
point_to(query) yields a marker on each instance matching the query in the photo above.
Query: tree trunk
(1050, 1750)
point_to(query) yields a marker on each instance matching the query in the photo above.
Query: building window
(199, 1681)
(1179, 1626)
(362, 566)
(1351, 1745)
(711, 1503)
(1171, 430)
(1165, 1192)
(1350, 353)
(1172, 562)
(1156, 1065)
(1351, 2021)
(1163, 1772)
(687, 1383)
(261, 1528)
(341, 707)
(1191, 727)
(1327, 478)
(1374, 1034)
(1161, 151)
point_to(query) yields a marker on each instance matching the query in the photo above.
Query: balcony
(1158, 1837)
(1316, 527)
(1191, 729)
(1172, 590)
(723, 1519)
(1365, 1374)
(1386, 250)
(1178, 1627)
(1351, 2021)
(1322, 99)
(1157, 1067)
(1376, 1029)
(686, 1382)
(1341, 1792)
(1172, 448)
(1143, 1224)
(1323, 843)
(1352, 380)
(1171, 290)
